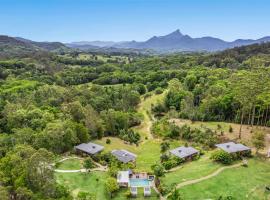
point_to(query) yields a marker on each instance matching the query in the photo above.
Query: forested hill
(20, 47)
(244, 53)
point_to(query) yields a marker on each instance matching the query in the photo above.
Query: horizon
(125, 20)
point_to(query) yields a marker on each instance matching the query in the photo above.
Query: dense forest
(51, 101)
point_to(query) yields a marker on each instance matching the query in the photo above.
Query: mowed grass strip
(240, 183)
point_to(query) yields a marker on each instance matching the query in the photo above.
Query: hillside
(15, 46)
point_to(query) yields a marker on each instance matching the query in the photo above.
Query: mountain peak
(175, 33)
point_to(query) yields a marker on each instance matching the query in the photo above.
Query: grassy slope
(191, 170)
(147, 153)
(145, 109)
(241, 183)
(70, 164)
(84, 182)
(246, 130)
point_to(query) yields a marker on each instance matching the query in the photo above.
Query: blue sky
(118, 20)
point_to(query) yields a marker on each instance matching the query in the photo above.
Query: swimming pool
(139, 182)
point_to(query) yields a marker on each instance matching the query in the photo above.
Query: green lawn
(94, 182)
(191, 170)
(70, 164)
(148, 152)
(240, 183)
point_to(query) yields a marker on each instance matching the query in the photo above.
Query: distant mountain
(176, 41)
(16, 46)
(49, 46)
(93, 44)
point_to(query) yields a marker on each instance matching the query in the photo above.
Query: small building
(231, 147)
(133, 191)
(124, 156)
(147, 191)
(89, 148)
(123, 178)
(184, 152)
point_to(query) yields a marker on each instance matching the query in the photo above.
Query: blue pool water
(139, 182)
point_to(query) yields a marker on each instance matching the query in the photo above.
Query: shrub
(158, 90)
(230, 129)
(158, 170)
(222, 157)
(108, 141)
(88, 163)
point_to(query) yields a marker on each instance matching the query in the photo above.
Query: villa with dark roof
(124, 156)
(231, 147)
(184, 152)
(89, 148)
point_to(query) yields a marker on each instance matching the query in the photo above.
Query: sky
(123, 20)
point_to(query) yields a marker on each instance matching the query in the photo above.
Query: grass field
(93, 182)
(70, 164)
(240, 183)
(191, 170)
(148, 152)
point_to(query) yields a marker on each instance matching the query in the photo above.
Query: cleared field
(70, 164)
(240, 183)
(93, 182)
(148, 152)
(191, 170)
(224, 127)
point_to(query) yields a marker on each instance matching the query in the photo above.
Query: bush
(222, 157)
(158, 170)
(108, 141)
(158, 90)
(230, 129)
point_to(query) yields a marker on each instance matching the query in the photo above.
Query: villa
(184, 152)
(135, 180)
(231, 147)
(89, 148)
(124, 156)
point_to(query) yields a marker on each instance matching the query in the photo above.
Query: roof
(124, 156)
(183, 152)
(232, 147)
(89, 148)
(123, 177)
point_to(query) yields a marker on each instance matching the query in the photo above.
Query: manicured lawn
(191, 170)
(77, 182)
(121, 195)
(94, 182)
(70, 164)
(240, 183)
